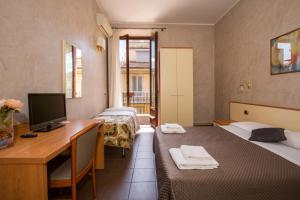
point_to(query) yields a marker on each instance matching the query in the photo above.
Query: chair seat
(63, 172)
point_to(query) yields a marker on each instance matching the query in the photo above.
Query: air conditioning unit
(104, 25)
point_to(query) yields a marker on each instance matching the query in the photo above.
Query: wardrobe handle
(174, 94)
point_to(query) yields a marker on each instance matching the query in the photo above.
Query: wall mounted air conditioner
(104, 25)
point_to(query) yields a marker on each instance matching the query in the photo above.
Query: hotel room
(150, 100)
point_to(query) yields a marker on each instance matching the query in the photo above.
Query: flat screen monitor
(46, 110)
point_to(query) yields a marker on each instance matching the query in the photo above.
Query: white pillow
(249, 126)
(129, 109)
(292, 139)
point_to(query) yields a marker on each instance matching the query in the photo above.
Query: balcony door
(154, 80)
(136, 72)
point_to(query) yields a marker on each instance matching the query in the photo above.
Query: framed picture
(285, 53)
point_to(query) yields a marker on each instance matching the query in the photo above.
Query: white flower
(13, 104)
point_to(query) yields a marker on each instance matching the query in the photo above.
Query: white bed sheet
(130, 109)
(118, 113)
(286, 152)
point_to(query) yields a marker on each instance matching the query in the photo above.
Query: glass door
(139, 73)
(124, 68)
(135, 62)
(154, 80)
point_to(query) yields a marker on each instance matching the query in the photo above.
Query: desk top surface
(46, 146)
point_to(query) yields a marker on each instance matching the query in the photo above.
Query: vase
(6, 129)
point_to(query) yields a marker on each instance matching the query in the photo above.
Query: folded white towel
(166, 128)
(172, 125)
(194, 152)
(183, 163)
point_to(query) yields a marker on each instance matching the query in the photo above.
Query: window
(137, 83)
(142, 56)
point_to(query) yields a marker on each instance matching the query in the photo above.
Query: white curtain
(115, 98)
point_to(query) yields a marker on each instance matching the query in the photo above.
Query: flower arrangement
(7, 108)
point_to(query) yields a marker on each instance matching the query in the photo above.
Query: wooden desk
(23, 167)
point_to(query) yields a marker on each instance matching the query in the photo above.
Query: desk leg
(23, 181)
(100, 152)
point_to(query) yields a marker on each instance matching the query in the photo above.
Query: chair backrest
(85, 148)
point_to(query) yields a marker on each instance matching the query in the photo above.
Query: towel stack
(193, 157)
(172, 128)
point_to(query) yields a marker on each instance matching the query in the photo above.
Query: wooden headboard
(288, 118)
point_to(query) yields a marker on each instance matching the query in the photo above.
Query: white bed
(289, 153)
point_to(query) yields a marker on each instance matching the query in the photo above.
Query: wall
(31, 37)
(201, 39)
(242, 53)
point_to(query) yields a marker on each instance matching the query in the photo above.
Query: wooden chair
(82, 161)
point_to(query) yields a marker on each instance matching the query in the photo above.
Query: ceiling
(165, 11)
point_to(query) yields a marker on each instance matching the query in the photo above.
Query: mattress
(246, 172)
(119, 127)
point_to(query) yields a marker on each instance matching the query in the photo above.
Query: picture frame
(285, 53)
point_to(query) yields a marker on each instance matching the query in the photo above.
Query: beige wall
(31, 37)
(243, 54)
(201, 38)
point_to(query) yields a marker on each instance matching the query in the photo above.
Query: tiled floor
(132, 177)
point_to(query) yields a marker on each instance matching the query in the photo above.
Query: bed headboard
(288, 118)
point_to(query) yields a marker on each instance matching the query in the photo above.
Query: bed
(120, 126)
(248, 170)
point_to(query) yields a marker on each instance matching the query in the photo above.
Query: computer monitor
(46, 110)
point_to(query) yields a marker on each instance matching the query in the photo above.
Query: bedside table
(222, 122)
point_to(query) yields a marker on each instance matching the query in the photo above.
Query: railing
(139, 100)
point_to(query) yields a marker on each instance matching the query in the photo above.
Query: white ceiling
(166, 11)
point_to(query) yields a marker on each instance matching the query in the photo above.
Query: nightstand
(222, 122)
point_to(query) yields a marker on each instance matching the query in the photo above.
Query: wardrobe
(176, 86)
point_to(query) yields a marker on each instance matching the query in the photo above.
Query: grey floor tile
(144, 175)
(144, 155)
(145, 149)
(143, 191)
(116, 191)
(144, 163)
(105, 176)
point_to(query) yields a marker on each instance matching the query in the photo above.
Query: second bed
(120, 126)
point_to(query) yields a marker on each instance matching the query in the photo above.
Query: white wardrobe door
(185, 87)
(168, 80)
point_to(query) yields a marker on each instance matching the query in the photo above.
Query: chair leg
(74, 191)
(94, 180)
